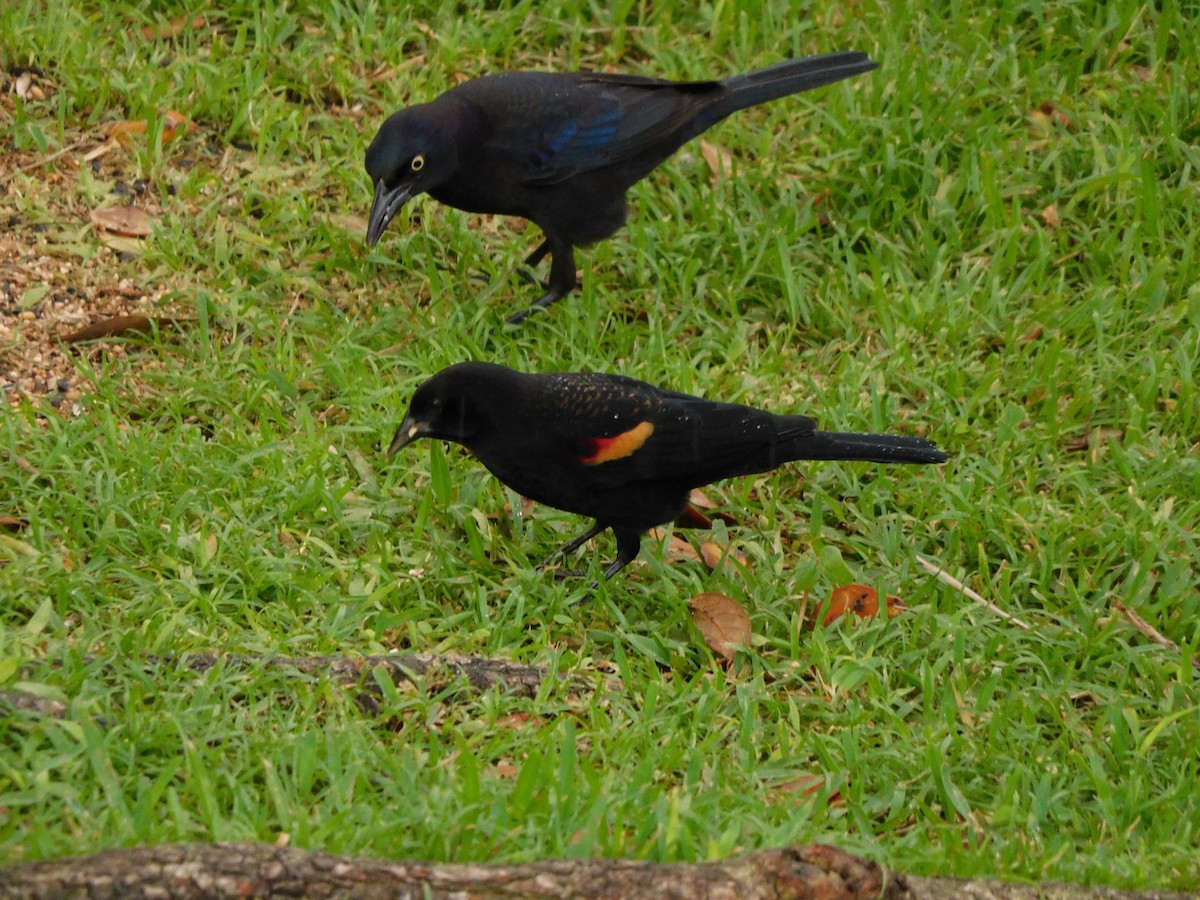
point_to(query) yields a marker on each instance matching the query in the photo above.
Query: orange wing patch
(618, 446)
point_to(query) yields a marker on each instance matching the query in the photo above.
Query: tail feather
(880, 448)
(792, 77)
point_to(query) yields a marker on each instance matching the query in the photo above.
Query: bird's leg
(538, 254)
(572, 546)
(562, 276)
(628, 545)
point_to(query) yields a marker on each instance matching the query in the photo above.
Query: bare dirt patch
(62, 268)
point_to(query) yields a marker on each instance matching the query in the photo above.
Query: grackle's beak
(384, 207)
(408, 432)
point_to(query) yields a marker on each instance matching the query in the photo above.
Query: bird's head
(457, 404)
(413, 152)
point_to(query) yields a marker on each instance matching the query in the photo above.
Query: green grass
(226, 491)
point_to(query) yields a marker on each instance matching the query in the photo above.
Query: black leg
(526, 268)
(628, 545)
(573, 545)
(538, 254)
(562, 276)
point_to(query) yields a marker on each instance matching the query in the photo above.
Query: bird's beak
(384, 208)
(408, 432)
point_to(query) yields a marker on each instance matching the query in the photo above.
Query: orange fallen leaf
(129, 221)
(172, 29)
(722, 621)
(174, 125)
(13, 523)
(862, 600)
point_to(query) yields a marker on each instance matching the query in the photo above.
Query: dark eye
(418, 163)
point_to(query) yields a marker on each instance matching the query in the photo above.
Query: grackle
(562, 149)
(622, 451)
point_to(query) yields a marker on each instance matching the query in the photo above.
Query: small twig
(1145, 627)
(46, 160)
(949, 579)
(1149, 630)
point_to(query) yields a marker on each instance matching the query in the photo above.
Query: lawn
(991, 240)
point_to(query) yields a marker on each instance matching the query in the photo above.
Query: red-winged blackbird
(622, 451)
(562, 148)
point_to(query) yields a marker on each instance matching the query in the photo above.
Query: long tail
(880, 448)
(791, 77)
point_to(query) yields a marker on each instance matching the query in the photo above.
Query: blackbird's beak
(384, 207)
(408, 432)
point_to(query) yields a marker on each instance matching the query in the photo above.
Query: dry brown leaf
(720, 163)
(722, 621)
(806, 786)
(519, 720)
(114, 326)
(11, 548)
(1032, 335)
(691, 517)
(1054, 114)
(172, 29)
(13, 523)
(679, 549)
(1094, 437)
(712, 553)
(128, 246)
(701, 500)
(505, 770)
(130, 221)
(1050, 216)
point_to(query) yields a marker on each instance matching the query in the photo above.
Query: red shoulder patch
(618, 446)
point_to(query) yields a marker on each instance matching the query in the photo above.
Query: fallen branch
(944, 576)
(436, 671)
(433, 672)
(193, 871)
(185, 871)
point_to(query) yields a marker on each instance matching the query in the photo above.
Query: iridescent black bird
(562, 149)
(622, 451)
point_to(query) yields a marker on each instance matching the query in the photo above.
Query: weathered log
(188, 871)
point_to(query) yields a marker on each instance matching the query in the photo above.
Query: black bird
(562, 149)
(622, 451)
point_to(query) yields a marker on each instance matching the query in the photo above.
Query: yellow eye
(418, 163)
